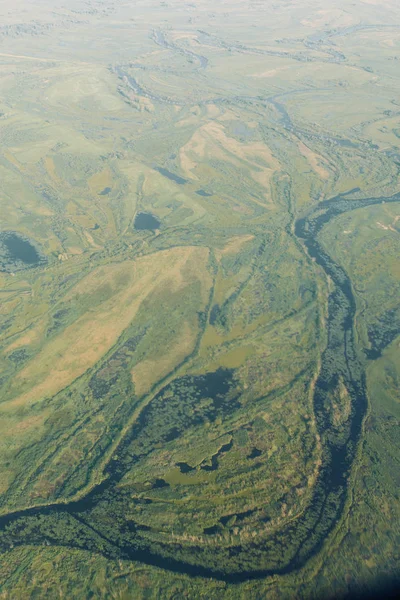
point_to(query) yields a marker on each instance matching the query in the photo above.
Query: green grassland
(180, 363)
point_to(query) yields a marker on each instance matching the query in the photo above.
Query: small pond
(105, 192)
(203, 193)
(17, 252)
(146, 221)
(171, 176)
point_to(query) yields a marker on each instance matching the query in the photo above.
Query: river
(81, 524)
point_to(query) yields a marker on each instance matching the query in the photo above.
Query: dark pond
(184, 467)
(17, 252)
(105, 192)
(255, 453)
(214, 458)
(160, 483)
(203, 193)
(171, 176)
(146, 221)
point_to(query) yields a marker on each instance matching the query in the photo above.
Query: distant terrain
(199, 299)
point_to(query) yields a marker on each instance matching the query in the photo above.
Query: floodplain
(199, 299)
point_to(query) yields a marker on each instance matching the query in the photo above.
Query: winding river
(80, 524)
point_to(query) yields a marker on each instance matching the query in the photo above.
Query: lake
(171, 176)
(145, 221)
(17, 252)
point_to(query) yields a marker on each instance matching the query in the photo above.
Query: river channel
(80, 524)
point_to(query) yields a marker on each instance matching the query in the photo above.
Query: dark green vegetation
(199, 300)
